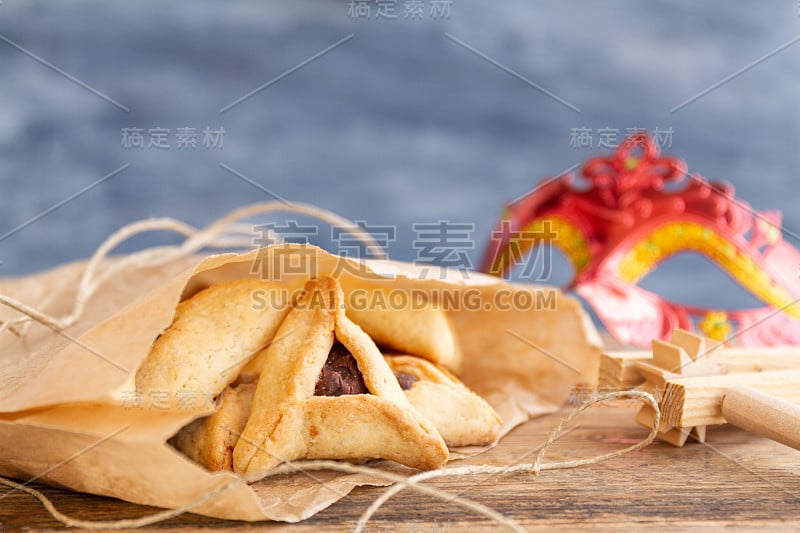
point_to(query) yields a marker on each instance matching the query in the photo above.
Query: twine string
(537, 466)
(229, 232)
(399, 482)
(222, 233)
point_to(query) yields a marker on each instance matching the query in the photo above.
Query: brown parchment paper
(63, 420)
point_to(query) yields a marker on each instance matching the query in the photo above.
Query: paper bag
(65, 421)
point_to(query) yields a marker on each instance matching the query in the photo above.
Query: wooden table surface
(736, 479)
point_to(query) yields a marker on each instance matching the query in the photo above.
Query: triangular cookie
(289, 422)
(404, 324)
(210, 440)
(462, 417)
(214, 334)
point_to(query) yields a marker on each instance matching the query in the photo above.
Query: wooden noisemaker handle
(763, 415)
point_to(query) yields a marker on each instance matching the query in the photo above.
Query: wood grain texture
(735, 479)
(619, 369)
(763, 414)
(697, 401)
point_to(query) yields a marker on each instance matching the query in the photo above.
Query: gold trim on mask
(675, 237)
(567, 238)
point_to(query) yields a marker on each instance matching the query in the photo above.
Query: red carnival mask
(625, 224)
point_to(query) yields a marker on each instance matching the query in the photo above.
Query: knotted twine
(228, 232)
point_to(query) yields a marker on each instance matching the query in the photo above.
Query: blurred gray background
(399, 124)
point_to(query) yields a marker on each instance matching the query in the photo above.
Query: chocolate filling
(340, 375)
(405, 380)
